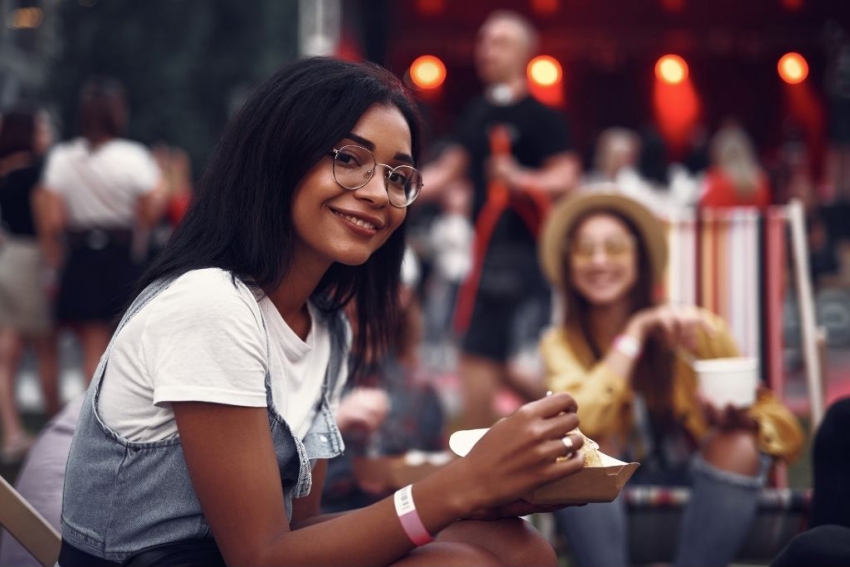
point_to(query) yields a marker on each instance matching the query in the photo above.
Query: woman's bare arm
(49, 213)
(231, 461)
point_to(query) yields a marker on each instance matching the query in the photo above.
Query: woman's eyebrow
(361, 140)
(371, 147)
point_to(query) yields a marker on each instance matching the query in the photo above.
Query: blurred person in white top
(102, 193)
(617, 154)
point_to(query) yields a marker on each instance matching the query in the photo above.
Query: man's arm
(438, 175)
(558, 174)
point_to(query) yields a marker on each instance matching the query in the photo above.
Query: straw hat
(562, 218)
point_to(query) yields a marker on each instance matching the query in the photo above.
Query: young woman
(102, 194)
(24, 303)
(210, 415)
(619, 353)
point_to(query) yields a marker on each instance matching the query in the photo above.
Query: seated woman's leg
(831, 467)
(450, 554)
(511, 541)
(597, 534)
(727, 476)
(823, 546)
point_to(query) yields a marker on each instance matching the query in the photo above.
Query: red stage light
(793, 68)
(427, 72)
(673, 5)
(430, 7)
(544, 70)
(671, 69)
(545, 7)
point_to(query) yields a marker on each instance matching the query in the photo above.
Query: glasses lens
(617, 248)
(583, 249)
(353, 166)
(403, 185)
(614, 249)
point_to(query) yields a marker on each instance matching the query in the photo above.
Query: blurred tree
(186, 63)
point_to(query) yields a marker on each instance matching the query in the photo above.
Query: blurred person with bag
(628, 360)
(25, 307)
(517, 153)
(102, 194)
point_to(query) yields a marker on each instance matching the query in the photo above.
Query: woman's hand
(520, 453)
(502, 168)
(727, 418)
(362, 411)
(679, 326)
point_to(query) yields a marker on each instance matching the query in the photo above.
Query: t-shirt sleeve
(554, 134)
(206, 344)
(468, 128)
(54, 170)
(147, 172)
(598, 391)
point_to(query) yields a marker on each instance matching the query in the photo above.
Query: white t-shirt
(202, 339)
(100, 188)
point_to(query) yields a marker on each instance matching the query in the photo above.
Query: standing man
(516, 152)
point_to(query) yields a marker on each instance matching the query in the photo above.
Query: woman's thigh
(511, 541)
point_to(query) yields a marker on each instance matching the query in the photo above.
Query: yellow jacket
(604, 398)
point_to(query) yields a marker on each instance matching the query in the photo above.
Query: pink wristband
(628, 345)
(409, 518)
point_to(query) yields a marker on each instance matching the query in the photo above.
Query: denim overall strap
(323, 439)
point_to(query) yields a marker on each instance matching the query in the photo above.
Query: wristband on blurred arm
(628, 346)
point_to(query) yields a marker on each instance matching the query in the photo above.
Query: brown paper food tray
(591, 484)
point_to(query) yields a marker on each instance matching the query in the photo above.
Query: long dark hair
(653, 374)
(240, 217)
(102, 109)
(17, 131)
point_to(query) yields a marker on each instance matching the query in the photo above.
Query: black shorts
(502, 326)
(98, 278)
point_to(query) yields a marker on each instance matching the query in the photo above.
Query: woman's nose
(599, 256)
(375, 190)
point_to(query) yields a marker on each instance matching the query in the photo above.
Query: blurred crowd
(81, 219)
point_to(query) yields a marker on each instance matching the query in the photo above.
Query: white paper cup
(728, 381)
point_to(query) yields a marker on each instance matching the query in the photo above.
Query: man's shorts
(502, 326)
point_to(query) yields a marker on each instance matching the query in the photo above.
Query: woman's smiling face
(602, 257)
(333, 224)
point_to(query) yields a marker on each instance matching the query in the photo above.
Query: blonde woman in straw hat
(615, 352)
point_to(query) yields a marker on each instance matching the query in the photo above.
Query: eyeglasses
(616, 249)
(354, 167)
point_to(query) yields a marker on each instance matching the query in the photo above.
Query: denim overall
(121, 496)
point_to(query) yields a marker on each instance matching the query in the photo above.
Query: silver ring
(568, 443)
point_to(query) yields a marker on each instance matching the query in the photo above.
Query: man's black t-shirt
(537, 132)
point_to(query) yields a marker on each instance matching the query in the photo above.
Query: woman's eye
(617, 247)
(397, 178)
(347, 159)
(584, 248)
